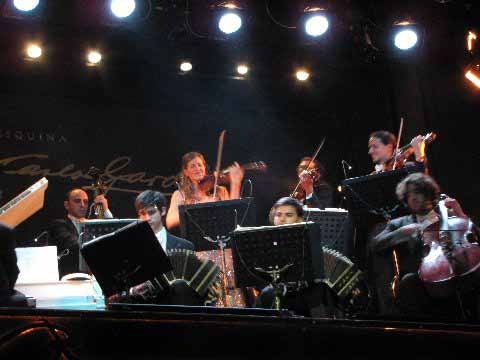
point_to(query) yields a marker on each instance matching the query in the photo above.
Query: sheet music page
(37, 264)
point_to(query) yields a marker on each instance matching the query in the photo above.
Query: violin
(208, 181)
(299, 194)
(402, 154)
(451, 256)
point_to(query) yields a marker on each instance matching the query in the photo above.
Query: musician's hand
(454, 208)
(101, 199)
(306, 182)
(418, 145)
(236, 173)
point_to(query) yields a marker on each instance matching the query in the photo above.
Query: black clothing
(322, 196)
(64, 235)
(9, 270)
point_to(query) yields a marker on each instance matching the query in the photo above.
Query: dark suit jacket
(322, 196)
(63, 235)
(175, 242)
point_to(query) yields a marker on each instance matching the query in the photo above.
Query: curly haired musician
(420, 193)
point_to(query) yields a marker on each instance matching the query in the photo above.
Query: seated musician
(314, 300)
(420, 193)
(151, 207)
(381, 146)
(63, 233)
(315, 191)
(191, 191)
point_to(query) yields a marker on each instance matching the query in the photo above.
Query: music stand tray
(215, 220)
(274, 247)
(375, 194)
(125, 258)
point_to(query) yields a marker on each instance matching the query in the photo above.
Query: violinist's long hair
(186, 185)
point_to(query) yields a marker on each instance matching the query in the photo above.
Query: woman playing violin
(194, 170)
(381, 146)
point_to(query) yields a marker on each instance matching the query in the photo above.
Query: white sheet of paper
(37, 264)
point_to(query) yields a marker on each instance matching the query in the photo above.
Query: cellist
(420, 193)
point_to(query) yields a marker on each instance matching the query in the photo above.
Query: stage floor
(191, 332)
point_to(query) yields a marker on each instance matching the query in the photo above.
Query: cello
(452, 258)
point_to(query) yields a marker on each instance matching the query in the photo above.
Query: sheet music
(271, 227)
(37, 264)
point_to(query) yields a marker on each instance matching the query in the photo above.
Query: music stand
(337, 228)
(274, 247)
(206, 223)
(375, 194)
(91, 229)
(125, 258)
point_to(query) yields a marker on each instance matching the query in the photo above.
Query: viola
(208, 181)
(452, 258)
(402, 154)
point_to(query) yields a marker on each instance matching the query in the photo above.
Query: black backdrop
(135, 117)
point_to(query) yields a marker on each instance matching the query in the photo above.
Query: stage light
(473, 74)
(229, 23)
(302, 75)
(405, 35)
(122, 8)
(186, 66)
(316, 25)
(25, 5)
(315, 18)
(34, 51)
(242, 69)
(93, 58)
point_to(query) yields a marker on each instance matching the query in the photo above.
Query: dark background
(138, 105)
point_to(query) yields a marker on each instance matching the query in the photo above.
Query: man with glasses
(63, 233)
(314, 191)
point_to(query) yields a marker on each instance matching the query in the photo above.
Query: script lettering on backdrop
(115, 176)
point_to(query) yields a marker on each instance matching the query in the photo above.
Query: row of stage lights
(314, 20)
(315, 23)
(94, 58)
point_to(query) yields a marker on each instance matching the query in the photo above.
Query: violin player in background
(191, 189)
(381, 147)
(314, 192)
(420, 193)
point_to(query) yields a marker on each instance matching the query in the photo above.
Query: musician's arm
(394, 234)
(173, 217)
(236, 177)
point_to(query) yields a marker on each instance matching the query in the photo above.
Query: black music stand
(375, 194)
(91, 229)
(270, 248)
(209, 224)
(337, 228)
(125, 258)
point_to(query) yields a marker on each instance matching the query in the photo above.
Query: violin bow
(219, 161)
(400, 130)
(311, 161)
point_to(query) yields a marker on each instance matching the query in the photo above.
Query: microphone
(350, 167)
(43, 233)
